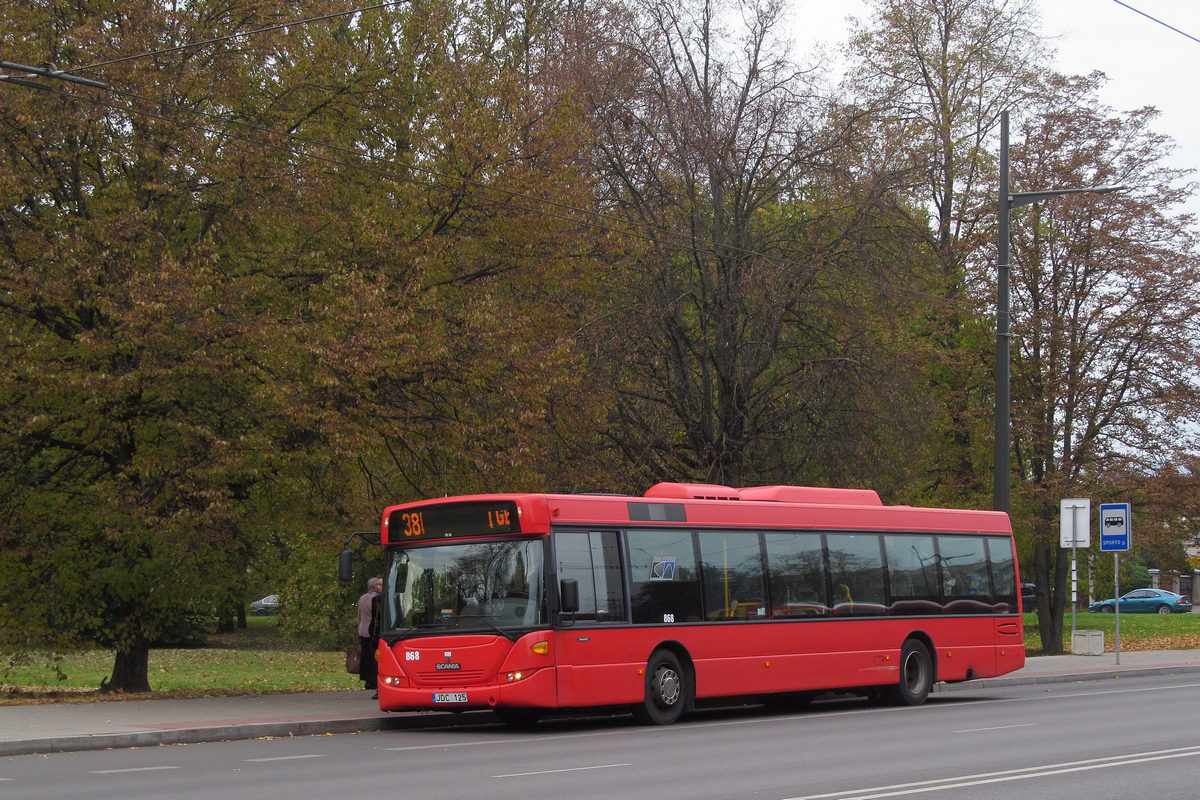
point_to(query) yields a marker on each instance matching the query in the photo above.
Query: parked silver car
(265, 606)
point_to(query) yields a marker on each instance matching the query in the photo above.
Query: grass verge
(1138, 631)
(255, 661)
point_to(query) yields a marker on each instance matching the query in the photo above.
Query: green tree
(270, 284)
(131, 421)
(936, 74)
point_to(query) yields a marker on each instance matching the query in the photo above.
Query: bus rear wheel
(666, 690)
(916, 675)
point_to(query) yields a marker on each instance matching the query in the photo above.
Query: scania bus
(527, 602)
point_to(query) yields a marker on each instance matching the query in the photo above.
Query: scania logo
(448, 663)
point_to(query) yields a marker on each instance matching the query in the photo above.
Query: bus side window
(965, 579)
(796, 570)
(856, 570)
(593, 560)
(912, 563)
(732, 574)
(664, 581)
(1003, 572)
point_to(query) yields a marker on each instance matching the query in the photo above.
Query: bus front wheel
(916, 675)
(666, 690)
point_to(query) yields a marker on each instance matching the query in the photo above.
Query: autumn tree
(129, 405)
(728, 339)
(265, 283)
(497, 254)
(1106, 310)
(936, 74)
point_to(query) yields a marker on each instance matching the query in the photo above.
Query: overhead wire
(1156, 19)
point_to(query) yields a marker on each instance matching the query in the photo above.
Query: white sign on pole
(1075, 522)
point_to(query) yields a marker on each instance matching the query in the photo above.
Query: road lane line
(128, 769)
(553, 771)
(281, 758)
(1023, 773)
(1122, 690)
(998, 728)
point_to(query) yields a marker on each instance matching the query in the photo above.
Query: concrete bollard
(1088, 643)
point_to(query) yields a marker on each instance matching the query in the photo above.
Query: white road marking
(997, 728)
(552, 771)
(982, 779)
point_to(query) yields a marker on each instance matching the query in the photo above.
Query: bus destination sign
(452, 520)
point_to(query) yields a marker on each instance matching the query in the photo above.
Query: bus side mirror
(346, 566)
(346, 558)
(568, 595)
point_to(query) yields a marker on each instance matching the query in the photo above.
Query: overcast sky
(1146, 63)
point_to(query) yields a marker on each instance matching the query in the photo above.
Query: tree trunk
(1050, 601)
(1054, 594)
(131, 670)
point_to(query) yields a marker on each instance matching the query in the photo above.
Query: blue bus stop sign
(1115, 530)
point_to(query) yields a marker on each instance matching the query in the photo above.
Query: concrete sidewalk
(141, 723)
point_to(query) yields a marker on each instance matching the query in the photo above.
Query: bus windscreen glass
(467, 586)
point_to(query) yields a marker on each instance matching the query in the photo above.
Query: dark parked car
(270, 605)
(1028, 597)
(1146, 601)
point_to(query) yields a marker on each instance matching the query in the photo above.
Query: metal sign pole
(1074, 590)
(1117, 599)
(1075, 530)
(1116, 535)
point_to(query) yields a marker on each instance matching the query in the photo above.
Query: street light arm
(1027, 198)
(45, 72)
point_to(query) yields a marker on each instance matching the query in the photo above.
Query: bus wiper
(512, 637)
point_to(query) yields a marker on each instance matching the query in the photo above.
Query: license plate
(449, 697)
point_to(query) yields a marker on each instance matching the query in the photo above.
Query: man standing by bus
(368, 633)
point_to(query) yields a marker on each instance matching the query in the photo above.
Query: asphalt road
(1127, 738)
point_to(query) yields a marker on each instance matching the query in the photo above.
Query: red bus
(527, 602)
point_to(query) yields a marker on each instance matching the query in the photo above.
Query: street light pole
(1001, 497)
(1000, 489)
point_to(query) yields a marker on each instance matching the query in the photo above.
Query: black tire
(518, 717)
(916, 675)
(1164, 609)
(1107, 610)
(666, 690)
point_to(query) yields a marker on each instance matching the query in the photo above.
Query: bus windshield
(473, 586)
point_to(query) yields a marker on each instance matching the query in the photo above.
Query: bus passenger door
(588, 646)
